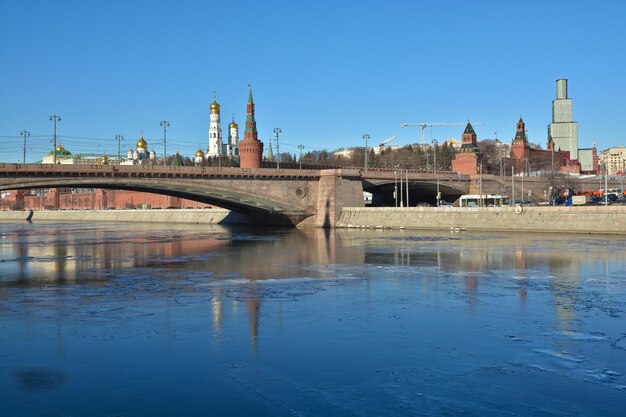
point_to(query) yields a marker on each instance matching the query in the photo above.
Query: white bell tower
(215, 130)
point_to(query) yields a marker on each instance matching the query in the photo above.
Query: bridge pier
(334, 192)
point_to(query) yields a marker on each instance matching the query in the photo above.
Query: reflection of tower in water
(217, 310)
(564, 285)
(254, 308)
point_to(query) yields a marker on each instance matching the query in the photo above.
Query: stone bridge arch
(272, 197)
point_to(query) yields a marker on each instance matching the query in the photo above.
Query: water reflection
(359, 305)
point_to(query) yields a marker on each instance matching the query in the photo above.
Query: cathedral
(140, 156)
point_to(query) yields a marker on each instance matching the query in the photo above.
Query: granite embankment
(598, 219)
(605, 220)
(201, 216)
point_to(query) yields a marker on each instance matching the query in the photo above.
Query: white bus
(488, 200)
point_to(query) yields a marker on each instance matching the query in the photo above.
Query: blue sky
(325, 72)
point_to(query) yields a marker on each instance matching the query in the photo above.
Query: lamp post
(277, 131)
(407, 187)
(165, 124)
(438, 196)
(55, 118)
(606, 186)
(480, 184)
(512, 185)
(366, 156)
(395, 184)
(401, 189)
(24, 133)
(119, 139)
(300, 147)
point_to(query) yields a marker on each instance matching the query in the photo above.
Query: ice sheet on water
(575, 336)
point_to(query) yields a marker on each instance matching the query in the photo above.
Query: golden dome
(141, 143)
(105, 158)
(60, 148)
(199, 153)
(233, 124)
(215, 108)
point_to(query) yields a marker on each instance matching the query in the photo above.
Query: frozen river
(169, 320)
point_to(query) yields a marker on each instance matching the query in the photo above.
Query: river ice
(112, 320)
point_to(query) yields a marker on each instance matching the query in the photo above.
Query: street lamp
(119, 139)
(277, 131)
(438, 197)
(300, 147)
(55, 118)
(366, 137)
(25, 133)
(395, 184)
(165, 124)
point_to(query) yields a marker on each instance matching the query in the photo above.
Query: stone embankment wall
(597, 219)
(199, 216)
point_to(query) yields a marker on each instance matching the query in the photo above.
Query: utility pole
(165, 124)
(119, 139)
(55, 118)
(300, 147)
(366, 156)
(24, 133)
(277, 132)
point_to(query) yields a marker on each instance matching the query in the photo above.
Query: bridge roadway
(306, 197)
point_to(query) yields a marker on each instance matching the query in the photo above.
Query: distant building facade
(615, 160)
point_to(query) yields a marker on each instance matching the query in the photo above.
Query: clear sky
(325, 72)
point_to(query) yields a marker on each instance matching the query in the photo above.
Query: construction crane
(424, 125)
(386, 141)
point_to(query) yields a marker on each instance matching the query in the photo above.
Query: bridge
(304, 197)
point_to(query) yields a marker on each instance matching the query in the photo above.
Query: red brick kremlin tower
(466, 161)
(250, 148)
(520, 151)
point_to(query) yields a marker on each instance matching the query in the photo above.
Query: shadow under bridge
(419, 192)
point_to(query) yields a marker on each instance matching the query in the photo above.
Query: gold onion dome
(60, 150)
(233, 124)
(214, 106)
(105, 158)
(141, 143)
(199, 153)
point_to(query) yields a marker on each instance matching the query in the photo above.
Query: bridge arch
(272, 197)
(420, 192)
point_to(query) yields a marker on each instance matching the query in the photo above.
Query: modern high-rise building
(563, 131)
